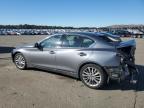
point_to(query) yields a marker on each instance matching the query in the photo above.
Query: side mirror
(36, 45)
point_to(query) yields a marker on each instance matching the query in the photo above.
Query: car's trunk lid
(127, 48)
(129, 43)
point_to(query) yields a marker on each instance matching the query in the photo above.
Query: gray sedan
(93, 57)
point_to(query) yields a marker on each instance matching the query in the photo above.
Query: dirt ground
(40, 89)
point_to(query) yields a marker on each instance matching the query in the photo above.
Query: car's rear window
(110, 39)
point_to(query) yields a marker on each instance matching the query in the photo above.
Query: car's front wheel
(93, 76)
(20, 61)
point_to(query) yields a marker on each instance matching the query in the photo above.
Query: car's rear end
(120, 65)
(126, 52)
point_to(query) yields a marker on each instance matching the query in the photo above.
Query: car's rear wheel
(20, 61)
(93, 76)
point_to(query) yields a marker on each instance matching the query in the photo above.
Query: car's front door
(45, 55)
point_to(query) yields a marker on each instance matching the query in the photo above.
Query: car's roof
(91, 34)
(81, 33)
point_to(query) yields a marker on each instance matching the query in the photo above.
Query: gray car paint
(69, 60)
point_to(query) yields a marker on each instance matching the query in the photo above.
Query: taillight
(120, 56)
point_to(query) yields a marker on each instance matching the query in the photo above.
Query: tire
(95, 79)
(20, 61)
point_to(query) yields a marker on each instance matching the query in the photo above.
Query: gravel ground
(41, 89)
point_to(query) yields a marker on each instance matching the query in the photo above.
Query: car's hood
(126, 43)
(25, 46)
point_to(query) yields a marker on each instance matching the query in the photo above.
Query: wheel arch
(13, 55)
(83, 64)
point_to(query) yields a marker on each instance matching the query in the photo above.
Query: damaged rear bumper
(123, 72)
(116, 72)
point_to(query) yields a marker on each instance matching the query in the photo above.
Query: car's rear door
(73, 52)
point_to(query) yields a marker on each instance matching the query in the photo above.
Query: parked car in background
(136, 33)
(93, 57)
(122, 33)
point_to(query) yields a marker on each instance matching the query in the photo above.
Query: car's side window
(52, 42)
(87, 42)
(71, 41)
(75, 41)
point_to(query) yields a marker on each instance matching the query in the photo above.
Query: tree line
(27, 26)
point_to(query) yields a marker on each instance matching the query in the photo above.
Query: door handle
(52, 52)
(82, 54)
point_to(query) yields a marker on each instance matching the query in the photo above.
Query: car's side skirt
(59, 71)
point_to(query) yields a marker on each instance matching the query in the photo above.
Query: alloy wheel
(91, 76)
(20, 61)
